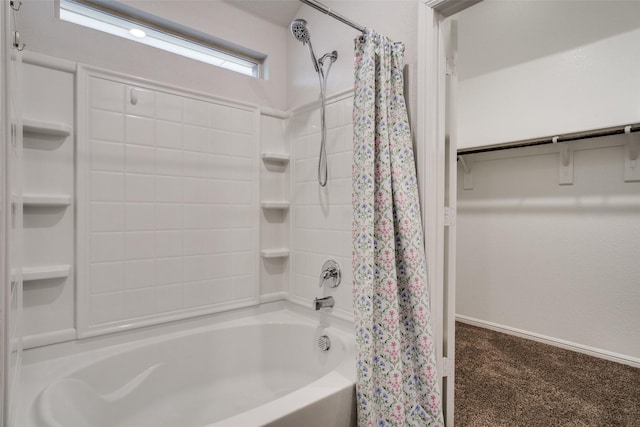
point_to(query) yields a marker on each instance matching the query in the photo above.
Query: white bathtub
(258, 370)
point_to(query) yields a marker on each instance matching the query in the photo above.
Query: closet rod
(617, 130)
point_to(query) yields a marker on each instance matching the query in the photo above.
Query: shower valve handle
(331, 274)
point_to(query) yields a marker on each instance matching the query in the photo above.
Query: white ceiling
(279, 12)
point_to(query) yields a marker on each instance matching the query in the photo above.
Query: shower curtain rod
(617, 130)
(324, 9)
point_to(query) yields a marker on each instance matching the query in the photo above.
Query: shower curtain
(397, 378)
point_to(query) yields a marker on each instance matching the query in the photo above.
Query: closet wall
(538, 254)
(528, 69)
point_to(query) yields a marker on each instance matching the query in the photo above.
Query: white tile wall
(322, 216)
(171, 206)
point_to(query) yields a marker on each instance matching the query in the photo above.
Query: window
(123, 21)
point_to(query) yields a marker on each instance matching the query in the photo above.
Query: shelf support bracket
(467, 178)
(565, 167)
(631, 163)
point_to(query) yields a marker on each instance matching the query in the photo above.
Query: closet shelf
(275, 157)
(46, 272)
(275, 204)
(275, 253)
(29, 199)
(45, 128)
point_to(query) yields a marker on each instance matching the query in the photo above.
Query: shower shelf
(275, 204)
(45, 200)
(274, 253)
(47, 272)
(45, 128)
(275, 157)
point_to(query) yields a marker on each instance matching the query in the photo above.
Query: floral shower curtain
(397, 378)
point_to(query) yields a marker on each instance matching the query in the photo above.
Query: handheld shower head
(301, 33)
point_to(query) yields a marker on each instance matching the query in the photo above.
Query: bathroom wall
(44, 33)
(529, 69)
(284, 232)
(550, 261)
(51, 311)
(167, 201)
(322, 216)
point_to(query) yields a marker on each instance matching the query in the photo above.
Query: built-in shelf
(29, 199)
(45, 128)
(275, 253)
(45, 272)
(276, 157)
(275, 204)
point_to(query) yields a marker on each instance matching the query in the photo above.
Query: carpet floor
(502, 380)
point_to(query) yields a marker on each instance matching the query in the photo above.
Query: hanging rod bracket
(631, 166)
(467, 178)
(565, 167)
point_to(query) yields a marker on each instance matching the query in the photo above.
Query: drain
(324, 343)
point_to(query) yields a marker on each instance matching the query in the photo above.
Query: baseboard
(568, 345)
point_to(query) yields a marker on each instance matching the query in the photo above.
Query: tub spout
(326, 302)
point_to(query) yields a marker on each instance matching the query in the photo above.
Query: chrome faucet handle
(330, 274)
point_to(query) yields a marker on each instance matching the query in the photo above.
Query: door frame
(437, 160)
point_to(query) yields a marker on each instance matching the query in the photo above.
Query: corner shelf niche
(45, 200)
(275, 204)
(270, 157)
(275, 253)
(40, 127)
(30, 274)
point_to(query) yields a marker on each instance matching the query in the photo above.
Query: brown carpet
(502, 380)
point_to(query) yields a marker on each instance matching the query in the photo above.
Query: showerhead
(300, 31)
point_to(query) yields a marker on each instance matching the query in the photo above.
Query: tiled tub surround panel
(274, 223)
(167, 196)
(322, 215)
(48, 304)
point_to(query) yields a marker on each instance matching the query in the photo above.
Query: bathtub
(261, 369)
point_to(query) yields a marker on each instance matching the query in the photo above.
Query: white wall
(558, 261)
(540, 68)
(44, 33)
(553, 261)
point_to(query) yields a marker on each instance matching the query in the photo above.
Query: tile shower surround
(322, 215)
(171, 203)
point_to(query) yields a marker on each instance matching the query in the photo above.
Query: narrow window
(123, 21)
